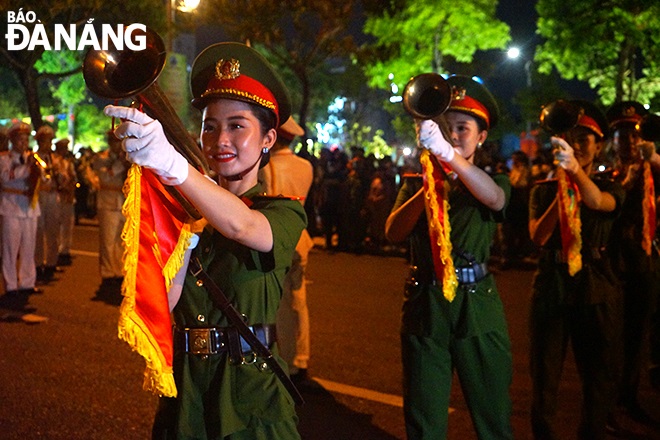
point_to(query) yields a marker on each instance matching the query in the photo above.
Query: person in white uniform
(47, 230)
(289, 175)
(66, 192)
(19, 209)
(111, 168)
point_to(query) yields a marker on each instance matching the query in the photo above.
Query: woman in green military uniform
(246, 248)
(575, 294)
(463, 329)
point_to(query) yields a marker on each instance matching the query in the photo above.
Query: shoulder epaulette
(411, 176)
(263, 197)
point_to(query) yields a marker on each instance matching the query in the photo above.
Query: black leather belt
(588, 254)
(471, 274)
(465, 275)
(216, 340)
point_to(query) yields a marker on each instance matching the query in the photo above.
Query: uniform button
(199, 283)
(207, 249)
(201, 318)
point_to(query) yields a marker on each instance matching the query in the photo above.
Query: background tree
(417, 36)
(309, 40)
(612, 44)
(24, 63)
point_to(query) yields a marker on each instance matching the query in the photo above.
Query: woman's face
(626, 143)
(465, 133)
(585, 145)
(232, 138)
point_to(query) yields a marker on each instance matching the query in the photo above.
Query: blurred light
(390, 76)
(187, 5)
(478, 79)
(395, 88)
(394, 99)
(513, 53)
(602, 168)
(646, 106)
(407, 151)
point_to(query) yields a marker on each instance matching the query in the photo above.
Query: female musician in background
(467, 332)
(580, 302)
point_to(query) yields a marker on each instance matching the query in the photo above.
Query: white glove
(564, 155)
(430, 137)
(145, 144)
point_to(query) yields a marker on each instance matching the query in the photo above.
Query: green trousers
(483, 363)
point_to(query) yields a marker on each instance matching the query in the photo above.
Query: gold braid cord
(439, 227)
(648, 210)
(569, 211)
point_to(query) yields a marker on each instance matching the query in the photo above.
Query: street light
(513, 53)
(172, 6)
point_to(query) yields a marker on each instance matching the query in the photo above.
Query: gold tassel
(648, 203)
(442, 231)
(571, 211)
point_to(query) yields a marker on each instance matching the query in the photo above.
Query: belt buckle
(199, 340)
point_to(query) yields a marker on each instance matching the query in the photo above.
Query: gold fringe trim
(158, 376)
(175, 261)
(647, 201)
(574, 223)
(449, 281)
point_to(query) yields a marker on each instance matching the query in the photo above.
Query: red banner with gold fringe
(156, 235)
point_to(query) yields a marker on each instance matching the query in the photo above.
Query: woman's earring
(478, 144)
(265, 150)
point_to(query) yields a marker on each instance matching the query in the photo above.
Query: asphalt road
(69, 377)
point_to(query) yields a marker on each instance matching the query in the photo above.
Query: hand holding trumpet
(145, 144)
(564, 155)
(430, 136)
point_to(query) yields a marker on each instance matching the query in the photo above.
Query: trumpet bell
(427, 96)
(119, 74)
(560, 116)
(649, 128)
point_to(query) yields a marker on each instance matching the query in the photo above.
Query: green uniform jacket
(596, 281)
(626, 243)
(214, 395)
(425, 310)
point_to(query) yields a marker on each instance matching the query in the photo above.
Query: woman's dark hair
(266, 117)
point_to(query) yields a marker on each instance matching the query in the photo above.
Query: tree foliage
(612, 44)
(309, 40)
(417, 36)
(31, 67)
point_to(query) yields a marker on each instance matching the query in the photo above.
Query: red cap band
(472, 107)
(590, 123)
(245, 88)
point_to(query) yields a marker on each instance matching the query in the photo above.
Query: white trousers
(19, 235)
(47, 244)
(293, 317)
(111, 250)
(67, 223)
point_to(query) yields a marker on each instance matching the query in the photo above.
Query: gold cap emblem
(227, 69)
(629, 111)
(458, 93)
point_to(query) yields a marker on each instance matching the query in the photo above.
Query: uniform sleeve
(287, 220)
(408, 189)
(502, 180)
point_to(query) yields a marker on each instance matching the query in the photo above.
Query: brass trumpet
(560, 116)
(649, 127)
(428, 96)
(119, 74)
